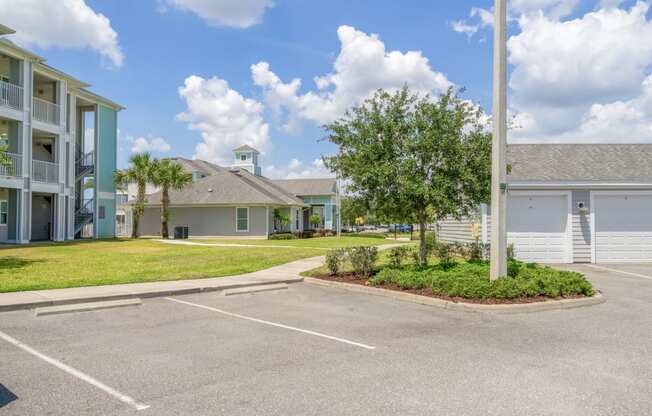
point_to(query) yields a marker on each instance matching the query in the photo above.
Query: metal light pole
(499, 146)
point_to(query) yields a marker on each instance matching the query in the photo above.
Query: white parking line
(642, 276)
(74, 372)
(260, 321)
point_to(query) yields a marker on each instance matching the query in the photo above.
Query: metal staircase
(84, 213)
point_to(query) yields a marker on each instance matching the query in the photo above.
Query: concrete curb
(144, 293)
(85, 307)
(255, 289)
(460, 306)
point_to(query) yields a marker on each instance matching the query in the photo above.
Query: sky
(201, 77)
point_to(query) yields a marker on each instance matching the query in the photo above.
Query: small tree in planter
(281, 220)
(315, 221)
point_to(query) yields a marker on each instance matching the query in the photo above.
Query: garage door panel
(537, 227)
(623, 228)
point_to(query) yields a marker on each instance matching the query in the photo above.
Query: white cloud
(461, 26)
(64, 24)
(585, 78)
(362, 66)
(151, 145)
(297, 170)
(553, 9)
(224, 118)
(239, 14)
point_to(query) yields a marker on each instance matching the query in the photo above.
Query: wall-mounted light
(582, 208)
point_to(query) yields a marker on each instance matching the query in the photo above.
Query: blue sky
(563, 56)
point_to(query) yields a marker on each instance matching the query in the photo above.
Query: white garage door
(623, 228)
(537, 225)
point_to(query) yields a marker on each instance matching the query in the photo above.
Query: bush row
(363, 259)
(302, 234)
(471, 281)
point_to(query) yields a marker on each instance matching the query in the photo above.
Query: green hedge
(471, 281)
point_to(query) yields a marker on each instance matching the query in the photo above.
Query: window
(4, 212)
(243, 157)
(101, 214)
(297, 220)
(242, 219)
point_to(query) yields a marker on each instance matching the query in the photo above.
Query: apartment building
(62, 143)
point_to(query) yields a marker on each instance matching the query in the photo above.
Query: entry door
(538, 227)
(41, 217)
(623, 227)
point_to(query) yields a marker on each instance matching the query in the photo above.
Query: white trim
(579, 185)
(592, 195)
(236, 220)
(569, 216)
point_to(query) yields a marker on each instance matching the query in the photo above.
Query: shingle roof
(304, 187)
(229, 187)
(245, 148)
(197, 165)
(580, 163)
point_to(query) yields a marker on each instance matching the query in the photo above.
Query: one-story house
(239, 202)
(571, 203)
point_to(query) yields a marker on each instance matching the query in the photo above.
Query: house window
(101, 214)
(4, 212)
(243, 157)
(242, 219)
(296, 221)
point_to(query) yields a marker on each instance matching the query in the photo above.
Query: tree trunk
(423, 252)
(138, 209)
(165, 207)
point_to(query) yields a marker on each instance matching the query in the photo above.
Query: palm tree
(140, 172)
(168, 174)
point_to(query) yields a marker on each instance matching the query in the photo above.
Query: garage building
(572, 203)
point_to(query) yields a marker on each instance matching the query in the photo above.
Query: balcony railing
(46, 111)
(14, 167)
(47, 172)
(11, 95)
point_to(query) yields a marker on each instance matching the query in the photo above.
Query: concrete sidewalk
(285, 273)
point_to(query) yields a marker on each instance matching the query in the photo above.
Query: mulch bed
(362, 281)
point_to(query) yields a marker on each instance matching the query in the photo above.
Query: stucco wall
(205, 221)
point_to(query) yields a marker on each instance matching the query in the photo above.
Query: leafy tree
(281, 220)
(315, 220)
(140, 172)
(168, 175)
(412, 158)
(351, 210)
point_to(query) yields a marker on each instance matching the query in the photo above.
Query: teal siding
(105, 188)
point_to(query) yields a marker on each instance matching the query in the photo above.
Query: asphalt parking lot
(312, 350)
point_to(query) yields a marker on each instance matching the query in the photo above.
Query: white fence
(46, 111)
(11, 95)
(47, 172)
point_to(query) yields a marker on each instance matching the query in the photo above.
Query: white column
(499, 145)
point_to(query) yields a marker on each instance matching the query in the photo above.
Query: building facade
(62, 143)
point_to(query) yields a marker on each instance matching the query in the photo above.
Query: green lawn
(94, 263)
(324, 242)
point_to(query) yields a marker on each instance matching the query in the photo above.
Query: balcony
(11, 95)
(46, 172)
(46, 111)
(14, 168)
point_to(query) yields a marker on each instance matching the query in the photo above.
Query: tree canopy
(413, 159)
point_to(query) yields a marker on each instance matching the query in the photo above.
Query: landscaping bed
(464, 281)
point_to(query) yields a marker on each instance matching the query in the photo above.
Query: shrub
(471, 281)
(397, 255)
(414, 253)
(281, 236)
(431, 243)
(363, 260)
(334, 260)
(511, 251)
(315, 220)
(303, 234)
(444, 254)
(477, 252)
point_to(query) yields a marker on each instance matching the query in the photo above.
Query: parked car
(400, 228)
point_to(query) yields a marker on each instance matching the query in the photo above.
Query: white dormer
(246, 157)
